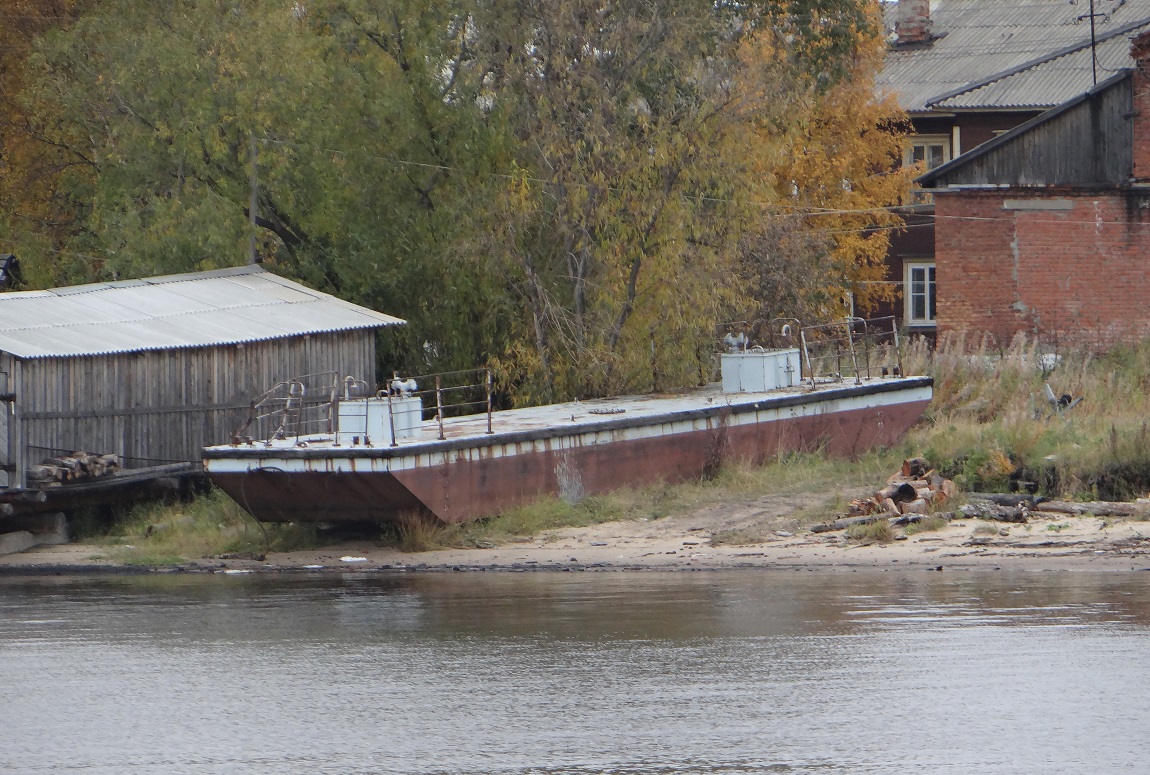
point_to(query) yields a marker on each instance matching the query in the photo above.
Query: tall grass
(991, 427)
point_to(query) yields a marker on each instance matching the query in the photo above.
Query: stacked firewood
(76, 466)
(916, 488)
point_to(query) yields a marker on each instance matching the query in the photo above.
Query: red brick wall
(1075, 277)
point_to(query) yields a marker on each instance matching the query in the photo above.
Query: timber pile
(910, 493)
(74, 467)
(916, 488)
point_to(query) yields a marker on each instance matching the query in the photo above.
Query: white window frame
(926, 140)
(930, 293)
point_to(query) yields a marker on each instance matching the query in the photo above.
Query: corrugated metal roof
(1047, 83)
(203, 309)
(985, 38)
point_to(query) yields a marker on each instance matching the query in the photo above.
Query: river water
(615, 672)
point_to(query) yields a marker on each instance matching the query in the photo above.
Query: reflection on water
(576, 673)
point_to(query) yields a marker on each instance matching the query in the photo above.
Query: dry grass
(793, 474)
(878, 532)
(926, 525)
(212, 524)
(991, 426)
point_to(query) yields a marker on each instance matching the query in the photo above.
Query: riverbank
(751, 533)
(989, 428)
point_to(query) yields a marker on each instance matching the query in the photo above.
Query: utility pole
(1093, 40)
(253, 202)
(1093, 46)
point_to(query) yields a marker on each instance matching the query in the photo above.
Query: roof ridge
(167, 315)
(1048, 57)
(138, 282)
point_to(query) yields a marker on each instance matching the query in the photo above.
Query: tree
(350, 141)
(615, 239)
(36, 174)
(575, 192)
(661, 146)
(828, 204)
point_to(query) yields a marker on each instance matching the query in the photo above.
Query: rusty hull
(468, 482)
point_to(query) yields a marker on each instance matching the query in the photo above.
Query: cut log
(914, 507)
(910, 519)
(843, 524)
(915, 467)
(1097, 508)
(905, 493)
(988, 510)
(1007, 498)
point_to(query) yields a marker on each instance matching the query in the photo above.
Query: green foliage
(369, 172)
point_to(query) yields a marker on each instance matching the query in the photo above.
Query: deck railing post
(807, 356)
(897, 349)
(439, 405)
(489, 431)
(333, 404)
(391, 411)
(854, 358)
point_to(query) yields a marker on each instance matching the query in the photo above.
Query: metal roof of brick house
(1021, 54)
(202, 309)
(1045, 84)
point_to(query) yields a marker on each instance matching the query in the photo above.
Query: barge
(383, 455)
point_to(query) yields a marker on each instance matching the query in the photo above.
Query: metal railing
(853, 349)
(308, 405)
(295, 407)
(453, 394)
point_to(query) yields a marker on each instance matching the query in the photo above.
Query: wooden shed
(152, 370)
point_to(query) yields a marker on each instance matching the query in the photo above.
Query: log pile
(74, 467)
(916, 488)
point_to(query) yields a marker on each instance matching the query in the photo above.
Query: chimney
(1140, 53)
(913, 24)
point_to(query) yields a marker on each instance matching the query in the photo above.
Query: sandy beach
(758, 533)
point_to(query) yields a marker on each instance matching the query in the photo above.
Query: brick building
(967, 72)
(1045, 230)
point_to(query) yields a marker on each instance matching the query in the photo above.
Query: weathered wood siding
(163, 406)
(1088, 144)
